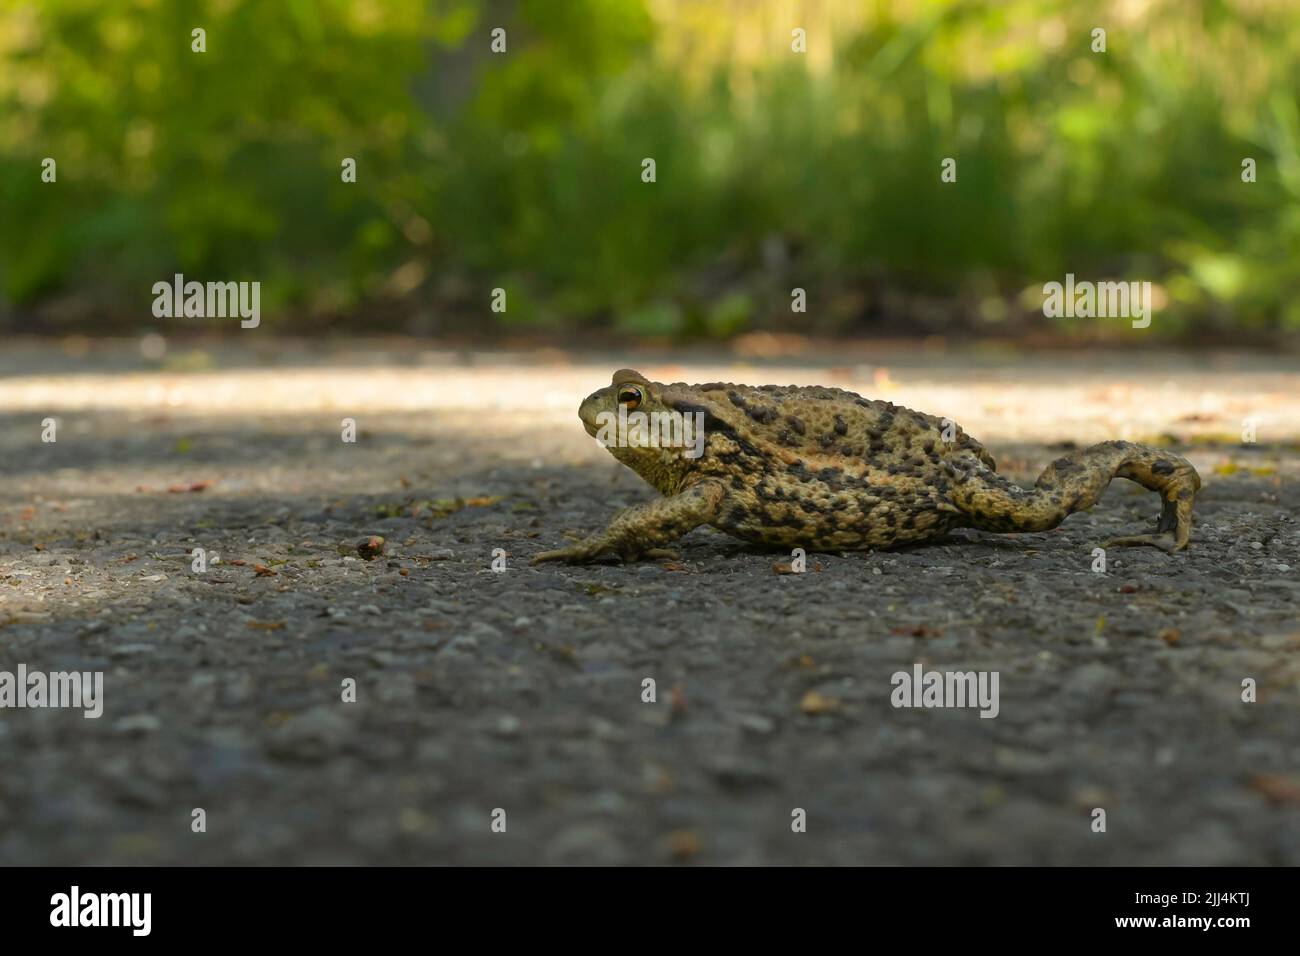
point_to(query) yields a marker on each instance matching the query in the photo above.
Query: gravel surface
(523, 690)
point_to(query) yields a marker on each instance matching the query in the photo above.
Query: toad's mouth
(589, 411)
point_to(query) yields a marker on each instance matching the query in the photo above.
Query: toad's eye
(630, 396)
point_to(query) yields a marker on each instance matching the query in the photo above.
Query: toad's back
(822, 467)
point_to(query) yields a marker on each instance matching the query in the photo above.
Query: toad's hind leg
(1076, 482)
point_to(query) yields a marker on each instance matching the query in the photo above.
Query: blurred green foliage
(774, 169)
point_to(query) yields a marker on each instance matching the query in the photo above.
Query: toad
(826, 470)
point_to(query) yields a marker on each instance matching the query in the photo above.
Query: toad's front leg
(643, 529)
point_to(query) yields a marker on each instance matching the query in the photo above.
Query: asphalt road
(522, 690)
